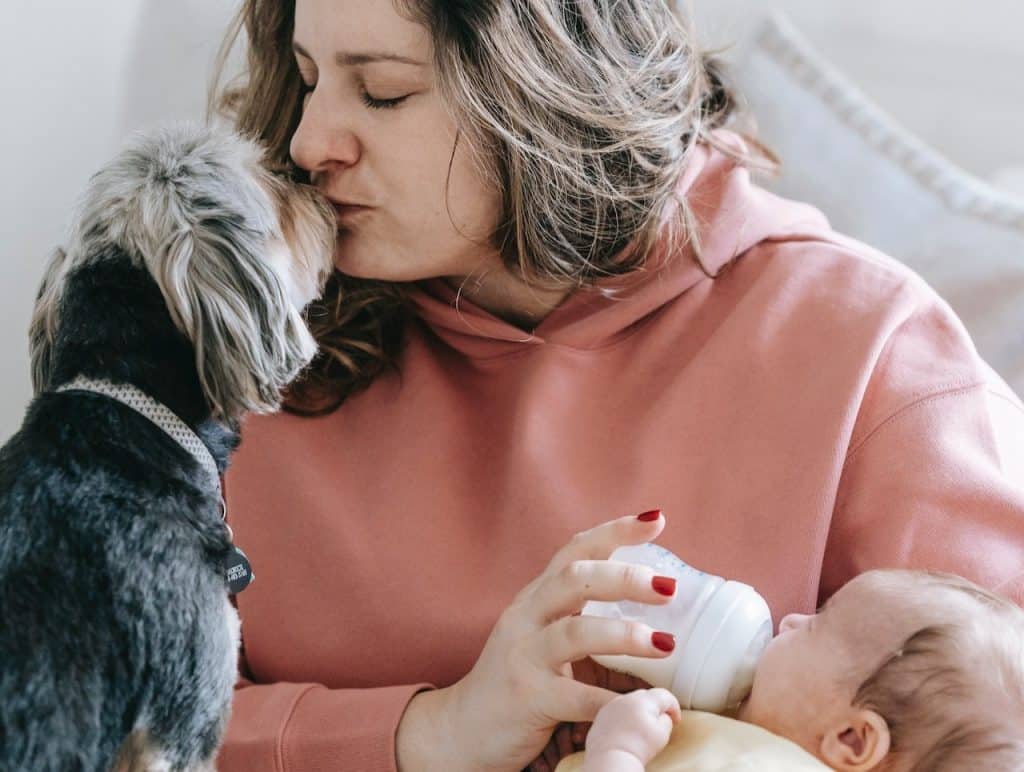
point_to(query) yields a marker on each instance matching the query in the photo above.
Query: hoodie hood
(732, 216)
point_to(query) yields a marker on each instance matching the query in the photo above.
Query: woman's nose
(322, 139)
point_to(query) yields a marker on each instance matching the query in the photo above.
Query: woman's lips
(346, 212)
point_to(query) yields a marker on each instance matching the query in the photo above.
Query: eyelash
(380, 104)
(369, 101)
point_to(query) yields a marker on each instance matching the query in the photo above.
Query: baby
(900, 670)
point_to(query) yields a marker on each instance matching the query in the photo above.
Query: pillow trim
(958, 189)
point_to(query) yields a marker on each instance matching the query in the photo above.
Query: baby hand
(638, 723)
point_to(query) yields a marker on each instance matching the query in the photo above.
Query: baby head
(899, 670)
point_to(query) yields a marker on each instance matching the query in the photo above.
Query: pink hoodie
(813, 412)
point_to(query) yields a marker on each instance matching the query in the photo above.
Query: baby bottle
(721, 629)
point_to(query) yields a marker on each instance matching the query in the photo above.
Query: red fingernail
(663, 641)
(664, 585)
(648, 517)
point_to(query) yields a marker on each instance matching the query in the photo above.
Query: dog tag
(237, 571)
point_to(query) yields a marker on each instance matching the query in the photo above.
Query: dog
(175, 308)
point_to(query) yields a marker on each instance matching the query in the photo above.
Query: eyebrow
(344, 59)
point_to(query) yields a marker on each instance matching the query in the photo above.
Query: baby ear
(858, 743)
(225, 296)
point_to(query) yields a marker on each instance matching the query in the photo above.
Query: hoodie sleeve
(290, 727)
(934, 474)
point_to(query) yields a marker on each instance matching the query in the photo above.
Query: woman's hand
(502, 713)
(571, 738)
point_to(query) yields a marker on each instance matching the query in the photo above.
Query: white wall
(77, 75)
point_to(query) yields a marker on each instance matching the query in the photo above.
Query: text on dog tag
(237, 570)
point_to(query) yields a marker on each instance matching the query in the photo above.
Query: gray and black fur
(118, 642)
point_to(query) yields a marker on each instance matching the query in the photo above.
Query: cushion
(881, 185)
(704, 742)
(1011, 180)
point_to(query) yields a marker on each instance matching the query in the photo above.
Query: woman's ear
(858, 743)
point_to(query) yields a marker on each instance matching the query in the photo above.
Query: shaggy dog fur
(186, 272)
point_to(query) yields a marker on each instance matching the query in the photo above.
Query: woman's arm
(934, 475)
(424, 739)
(290, 726)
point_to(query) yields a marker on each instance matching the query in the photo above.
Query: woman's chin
(350, 260)
(353, 262)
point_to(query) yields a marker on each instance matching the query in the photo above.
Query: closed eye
(381, 104)
(364, 95)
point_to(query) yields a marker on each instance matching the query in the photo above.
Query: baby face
(809, 674)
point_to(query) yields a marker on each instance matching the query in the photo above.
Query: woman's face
(374, 133)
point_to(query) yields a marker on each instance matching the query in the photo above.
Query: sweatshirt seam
(280, 759)
(948, 391)
(1006, 582)
(1006, 398)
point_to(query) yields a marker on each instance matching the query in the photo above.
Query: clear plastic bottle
(721, 629)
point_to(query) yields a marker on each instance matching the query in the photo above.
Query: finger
(579, 734)
(539, 765)
(599, 542)
(663, 700)
(572, 638)
(551, 754)
(563, 740)
(579, 702)
(565, 592)
(587, 726)
(666, 724)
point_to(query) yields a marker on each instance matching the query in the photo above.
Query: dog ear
(227, 298)
(42, 330)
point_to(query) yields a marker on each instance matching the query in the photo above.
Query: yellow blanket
(704, 742)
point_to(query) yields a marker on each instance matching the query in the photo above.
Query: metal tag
(237, 571)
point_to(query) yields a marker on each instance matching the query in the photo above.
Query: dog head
(236, 251)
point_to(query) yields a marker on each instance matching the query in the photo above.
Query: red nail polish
(648, 517)
(663, 641)
(664, 585)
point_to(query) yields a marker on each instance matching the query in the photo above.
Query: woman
(559, 300)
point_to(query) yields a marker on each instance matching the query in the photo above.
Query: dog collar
(158, 413)
(237, 570)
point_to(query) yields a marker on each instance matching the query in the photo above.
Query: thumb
(580, 702)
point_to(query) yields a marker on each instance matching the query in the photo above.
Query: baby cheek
(781, 666)
(782, 692)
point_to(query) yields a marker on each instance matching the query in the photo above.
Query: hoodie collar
(731, 215)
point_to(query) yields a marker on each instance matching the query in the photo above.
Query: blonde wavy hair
(582, 113)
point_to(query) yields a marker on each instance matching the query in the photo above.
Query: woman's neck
(508, 297)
